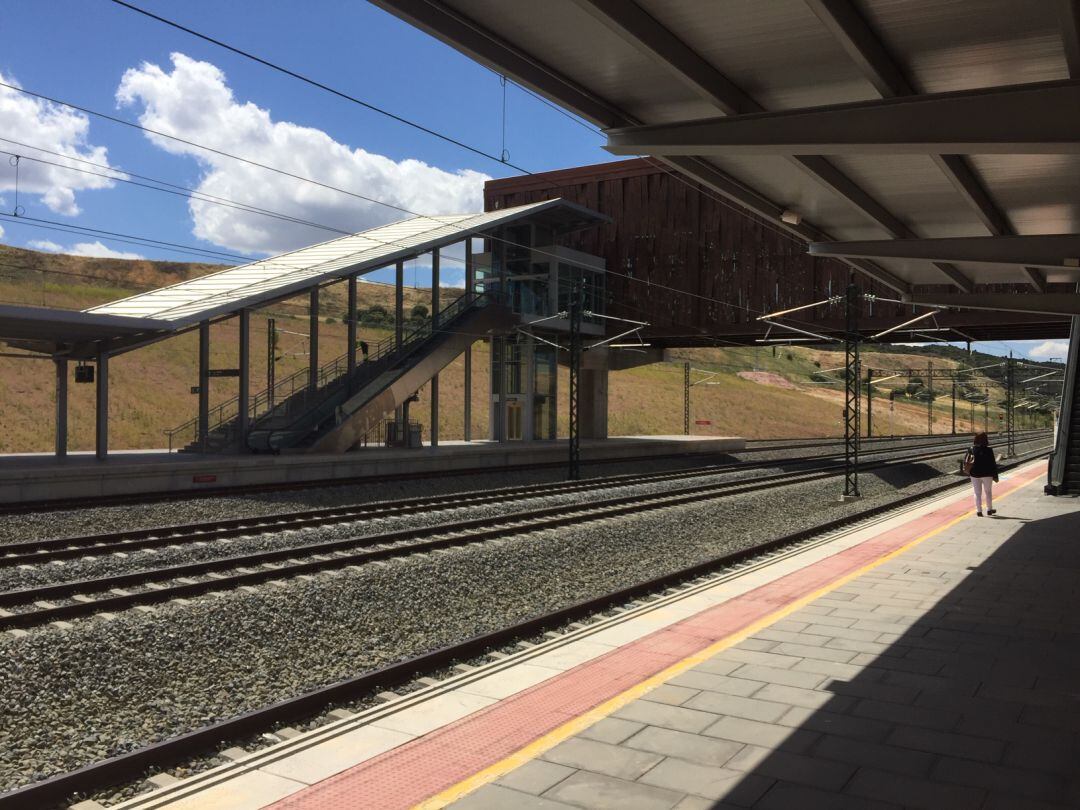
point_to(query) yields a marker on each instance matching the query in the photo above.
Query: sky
(101, 56)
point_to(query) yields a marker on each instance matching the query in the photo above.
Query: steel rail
(372, 548)
(48, 550)
(108, 772)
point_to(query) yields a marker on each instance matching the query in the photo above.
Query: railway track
(35, 606)
(163, 754)
(35, 552)
(753, 446)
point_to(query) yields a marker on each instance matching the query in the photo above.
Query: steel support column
(271, 362)
(351, 336)
(1010, 399)
(61, 406)
(869, 404)
(313, 338)
(399, 328)
(851, 394)
(433, 429)
(574, 469)
(686, 399)
(101, 415)
(243, 394)
(469, 282)
(204, 383)
(930, 398)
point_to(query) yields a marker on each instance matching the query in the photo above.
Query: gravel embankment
(72, 697)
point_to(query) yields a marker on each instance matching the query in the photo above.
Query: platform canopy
(148, 316)
(868, 121)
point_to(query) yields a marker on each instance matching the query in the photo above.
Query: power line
(314, 83)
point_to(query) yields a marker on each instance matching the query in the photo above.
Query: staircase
(1065, 461)
(345, 408)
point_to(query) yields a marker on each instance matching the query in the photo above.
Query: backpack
(968, 462)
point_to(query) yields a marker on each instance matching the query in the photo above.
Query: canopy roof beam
(1039, 118)
(1046, 250)
(867, 50)
(1069, 11)
(639, 29)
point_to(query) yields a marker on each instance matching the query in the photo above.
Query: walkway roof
(149, 316)
(838, 120)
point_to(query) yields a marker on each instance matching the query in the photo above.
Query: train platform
(44, 477)
(927, 658)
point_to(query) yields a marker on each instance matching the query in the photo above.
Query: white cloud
(195, 103)
(58, 129)
(45, 245)
(1, 230)
(1050, 348)
(95, 250)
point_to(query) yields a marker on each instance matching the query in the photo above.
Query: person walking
(981, 464)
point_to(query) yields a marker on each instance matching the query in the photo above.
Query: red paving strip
(413, 772)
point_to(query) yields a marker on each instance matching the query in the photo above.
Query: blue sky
(89, 52)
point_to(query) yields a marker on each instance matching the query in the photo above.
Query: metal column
(574, 470)
(468, 349)
(101, 427)
(433, 429)
(929, 398)
(313, 339)
(1010, 439)
(204, 383)
(852, 389)
(399, 328)
(954, 406)
(686, 399)
(61, 406)
(243, 394)
(869, 404)
(271, 362)
(351, 337)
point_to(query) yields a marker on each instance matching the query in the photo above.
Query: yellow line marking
(582, 722)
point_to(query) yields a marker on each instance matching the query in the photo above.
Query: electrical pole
(271, 333)
(686, 399)
(929, 397)
(869, 404)
(574, 469)
(954, 405)
(986, 411)
(1010, 441)
(851, 394)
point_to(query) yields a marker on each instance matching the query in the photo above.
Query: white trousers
(984, 486)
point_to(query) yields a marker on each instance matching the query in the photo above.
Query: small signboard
(223, 372)
(195, 389)
(206, 478)
(703, 421)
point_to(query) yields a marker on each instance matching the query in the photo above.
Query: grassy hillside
(757, 392)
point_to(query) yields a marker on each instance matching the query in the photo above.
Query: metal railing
(295, 391)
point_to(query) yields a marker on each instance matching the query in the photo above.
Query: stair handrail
(388, 348)
(228, 410)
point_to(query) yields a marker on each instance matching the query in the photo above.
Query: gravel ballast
(69, 697)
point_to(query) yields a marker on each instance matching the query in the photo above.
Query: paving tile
(760, 674)
(842, 725)
(835, 669)
(611, 730)
(788, 796)
(674, 717)
(770, 659)
(1000, 780)
(725, 684)
(828, 621)
(434, 713)
(883, 660)
(824, 653)
(941, 742)
(871, 690)
(699, 803)
(598, 757)
(809, 698)
(496, 797)
(682, 745)
(331, 756)
(709, 782)
(1046, 757)
(599, 792)
(805, 770)
(768, 735)
(913, 792)
(750, 708)
(672, 695)
(874, 755)
(755, 644)
(535, 776)
(848, 632)
(718, 665)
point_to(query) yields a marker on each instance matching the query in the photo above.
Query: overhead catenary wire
(320, 85)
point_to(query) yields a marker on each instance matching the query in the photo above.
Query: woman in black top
(983, 472)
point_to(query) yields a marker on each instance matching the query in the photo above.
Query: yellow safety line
(581, 722)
